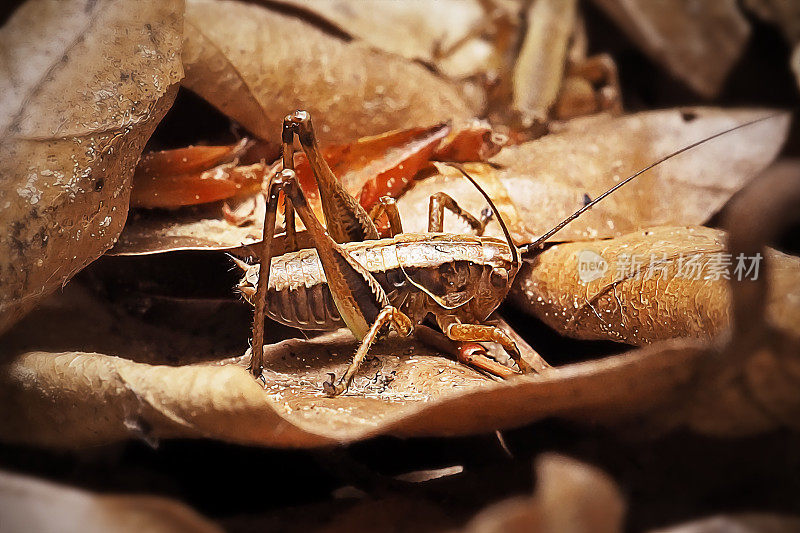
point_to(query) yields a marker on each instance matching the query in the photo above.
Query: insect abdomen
(298, 293)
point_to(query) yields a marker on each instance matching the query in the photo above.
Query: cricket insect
(353, 278)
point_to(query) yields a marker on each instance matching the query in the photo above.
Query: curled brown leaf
(549, 178)
(697, 42)
(414, 29)
(22, 499)
(651, 285)
(75, 115)
(256, 65)
(569, 496)
(403, 389)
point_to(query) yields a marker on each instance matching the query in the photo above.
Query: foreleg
(457, 331)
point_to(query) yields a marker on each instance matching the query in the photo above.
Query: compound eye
(499, 278)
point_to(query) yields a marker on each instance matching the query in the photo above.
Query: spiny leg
(388, 205)
(457, 331)
(276, 185)
(288, 208)
(359, 298)
(441, 201)
(388, 315)
(346, 220)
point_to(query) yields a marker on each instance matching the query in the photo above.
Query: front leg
(457, 331)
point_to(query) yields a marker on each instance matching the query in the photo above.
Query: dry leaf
(570, 496)
(257, 65)
(193, 175)
(698, 42)
(179, 333)
(738, 523)
(473, 142)
(784, 13)
(660, 283)
(368, 168)
(542, 59)
(28, 504)
(201, 227)
(414, 29)
(549, 178)
(63, 397)
(83, 87)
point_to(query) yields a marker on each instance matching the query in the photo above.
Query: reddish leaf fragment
(393, 174)
(193, 175)
(188, 160)
(380, 165)
(218, 183)
(474, 142)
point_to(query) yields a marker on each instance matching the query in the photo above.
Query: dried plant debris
(697, 42)
(194, 175)
(416, 29)
(660, 283)
(539, 183)
(573, 496)
(369, 168)
(191, 228)
(254, 64)
(28, 504)
(741, 523)
(540, 66)
(569, 496)
(550, 177)
(737, 384)
(83, 86)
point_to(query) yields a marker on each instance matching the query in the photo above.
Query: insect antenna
(558, 227)
(514, 251)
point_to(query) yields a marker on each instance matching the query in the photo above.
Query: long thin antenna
(514, 250)
(538, 242)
